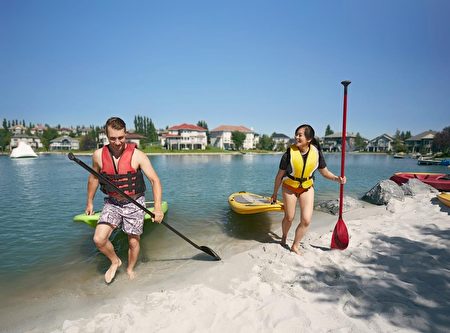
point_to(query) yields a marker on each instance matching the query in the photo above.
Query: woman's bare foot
(131, 274)
(111, 272)
(294, 248)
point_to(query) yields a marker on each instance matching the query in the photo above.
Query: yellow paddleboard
(250, 203)
(444, 197)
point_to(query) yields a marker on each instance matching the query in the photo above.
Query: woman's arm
(331, 176)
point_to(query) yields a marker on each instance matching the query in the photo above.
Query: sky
(266, 65)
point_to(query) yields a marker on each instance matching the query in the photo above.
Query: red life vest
(124, 176)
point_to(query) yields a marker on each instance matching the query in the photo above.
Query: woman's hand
(273, 198)
(340, 180)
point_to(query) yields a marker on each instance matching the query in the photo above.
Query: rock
(415, 186)
(383, 192)
(332, 206)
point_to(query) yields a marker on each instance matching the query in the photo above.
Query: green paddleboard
(91, 220)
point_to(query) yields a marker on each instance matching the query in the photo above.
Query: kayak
(250, 203)
(444, 197)
(91, 220)
(439, 181)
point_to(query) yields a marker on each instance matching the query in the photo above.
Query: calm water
(42, 247)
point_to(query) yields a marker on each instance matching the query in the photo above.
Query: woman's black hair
(309, 134)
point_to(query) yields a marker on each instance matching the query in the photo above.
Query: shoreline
(393, 277)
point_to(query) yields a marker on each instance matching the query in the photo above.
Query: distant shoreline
(187, 153)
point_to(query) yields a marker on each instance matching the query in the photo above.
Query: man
(123, 164)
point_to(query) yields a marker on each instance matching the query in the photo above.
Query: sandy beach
(394, 277)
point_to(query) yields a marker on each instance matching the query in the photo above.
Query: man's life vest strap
(129, 182)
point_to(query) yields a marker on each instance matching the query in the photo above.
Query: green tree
(328, 130)
(5, 124)
(89, 141)
(441, 141)
(360, 143)
(204, 125)
(399, 144)
(5, 138)
(145, 127)
(48, 135)
(238, 139)
(266, 142)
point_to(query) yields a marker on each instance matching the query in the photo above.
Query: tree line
(144, 125)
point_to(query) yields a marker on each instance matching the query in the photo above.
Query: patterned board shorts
(126, 215)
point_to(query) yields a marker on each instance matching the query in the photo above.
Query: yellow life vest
(301, 175)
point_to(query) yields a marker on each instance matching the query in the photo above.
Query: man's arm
(92, 185)
(147, 168)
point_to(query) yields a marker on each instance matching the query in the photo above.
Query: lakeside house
(421, 143)
(333, 142)
(282, 141)
(17, 129)
(31, 140)
(38, 129)
(129, 137)
(381, 144)
(221, 137)
(64, 143)
(184, 137)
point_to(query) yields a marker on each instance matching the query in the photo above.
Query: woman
(295, 174)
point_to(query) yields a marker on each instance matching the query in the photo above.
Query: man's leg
(101, 240)
(133, 253)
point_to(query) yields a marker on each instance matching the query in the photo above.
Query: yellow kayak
(250, 203)
(444, 197)
(91, 220)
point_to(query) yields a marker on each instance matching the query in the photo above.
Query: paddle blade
(209, 251)
(339, 239)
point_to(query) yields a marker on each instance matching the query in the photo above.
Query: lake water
(43, 251)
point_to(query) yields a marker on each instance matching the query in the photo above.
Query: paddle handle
(343, 145)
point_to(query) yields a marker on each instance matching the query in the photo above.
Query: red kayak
(439, 181)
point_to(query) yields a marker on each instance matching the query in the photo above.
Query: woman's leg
(289, 199)
(306, 211)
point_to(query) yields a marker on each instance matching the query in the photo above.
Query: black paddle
(205, 249)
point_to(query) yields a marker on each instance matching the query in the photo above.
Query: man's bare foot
(111, 272)
(295, 249)
(131, 274)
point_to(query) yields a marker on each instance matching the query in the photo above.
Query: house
(83, 130)
(38, 129)
(64, 143)
(31, 140)
(65, 131)
(129, 137)
(17, 129)
(221, 137)
(281, 141)
(421, 143)
(380, 144)
(333, 142)
(135, 138)
(184, 137)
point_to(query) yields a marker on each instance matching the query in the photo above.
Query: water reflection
(256, 227)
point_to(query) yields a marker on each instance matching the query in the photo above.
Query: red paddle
(339, 239)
